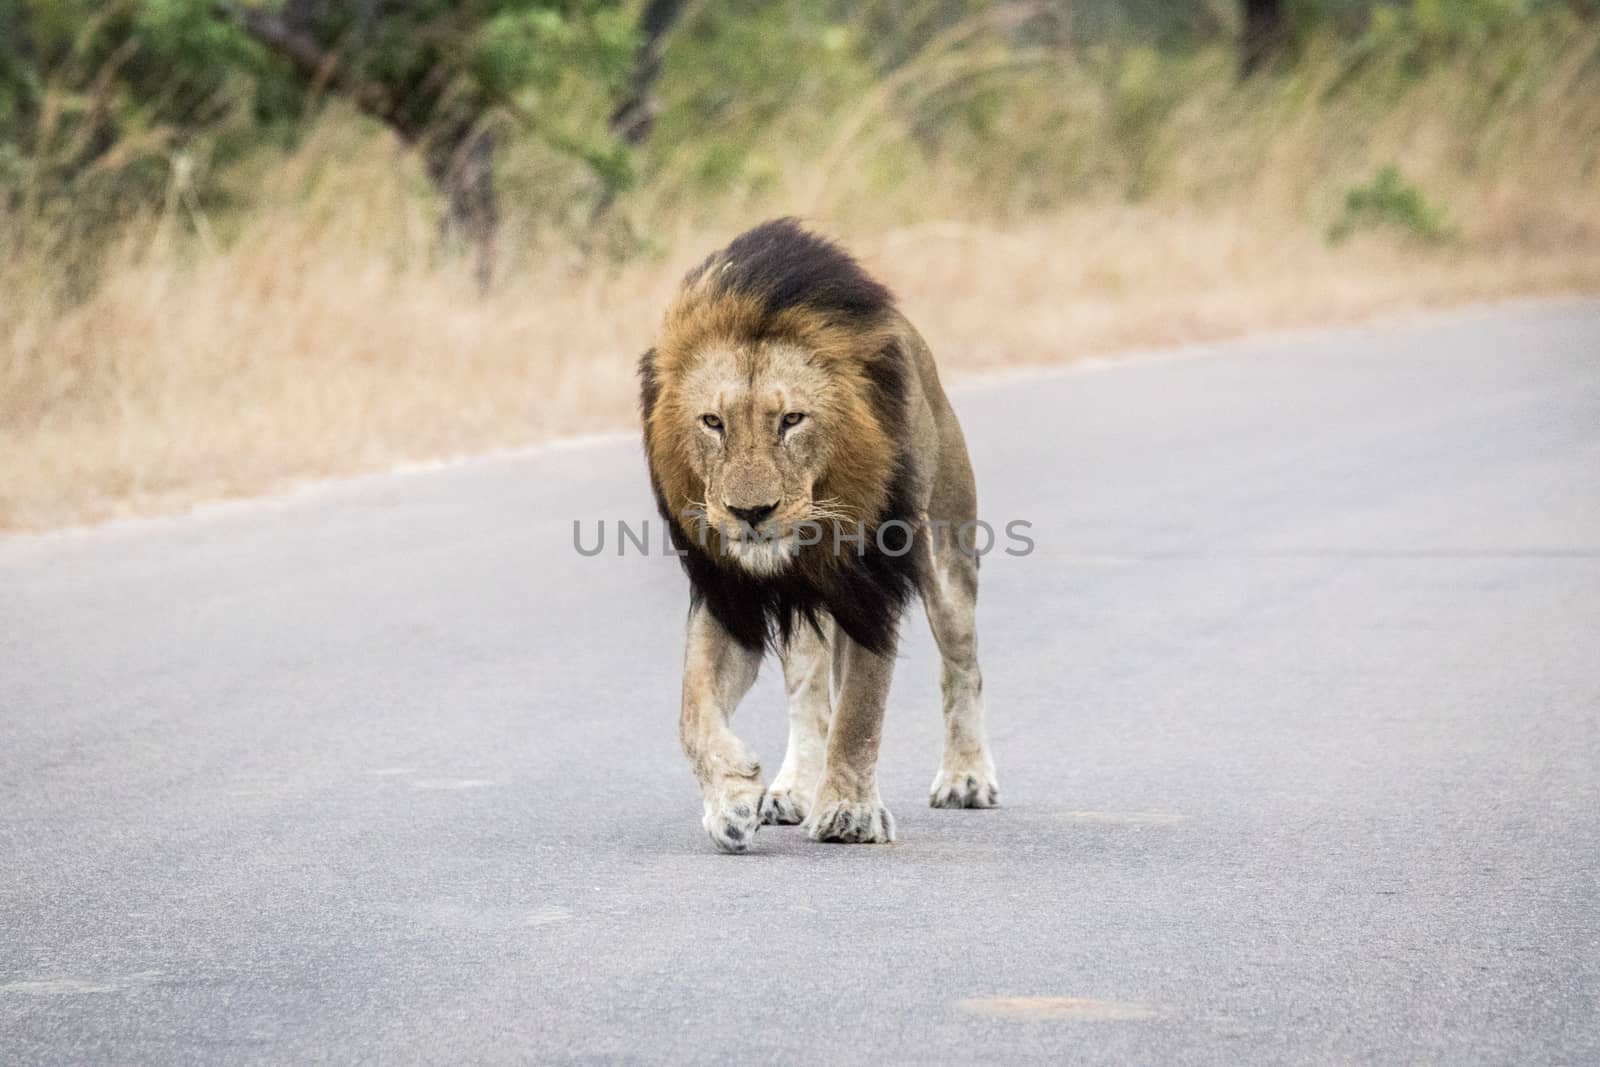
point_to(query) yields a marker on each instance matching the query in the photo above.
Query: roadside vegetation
(242, 245)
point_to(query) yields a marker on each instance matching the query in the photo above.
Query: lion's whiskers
(831, 509)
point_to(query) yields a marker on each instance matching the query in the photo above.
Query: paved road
(1296, 707)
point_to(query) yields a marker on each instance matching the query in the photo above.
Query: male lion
(811, 474)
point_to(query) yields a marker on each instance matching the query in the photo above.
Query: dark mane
(784, 266)
(864, 595)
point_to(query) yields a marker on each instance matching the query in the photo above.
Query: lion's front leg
(847, 806)
(805, 678)
(717, 672)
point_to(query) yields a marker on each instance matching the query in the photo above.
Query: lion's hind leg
(949, 588)
(806, 665)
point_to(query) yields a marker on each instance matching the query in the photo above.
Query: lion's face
(763, 428)
(761, 423)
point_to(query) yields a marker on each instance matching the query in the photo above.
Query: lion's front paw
(972, 787)
(852, 822)
(732, 821)
(732, 794)
(782, 807)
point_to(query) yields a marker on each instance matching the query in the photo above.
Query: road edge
(307, 490)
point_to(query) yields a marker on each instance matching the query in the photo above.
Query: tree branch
(315, 63)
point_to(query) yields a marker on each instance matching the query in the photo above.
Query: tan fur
(718, 354)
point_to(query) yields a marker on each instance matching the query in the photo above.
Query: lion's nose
(754, 516)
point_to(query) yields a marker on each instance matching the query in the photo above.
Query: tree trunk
(459, 153)
(634, 117)
(1266, 31)
(462, 167)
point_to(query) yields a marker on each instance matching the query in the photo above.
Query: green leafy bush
(1389, 200)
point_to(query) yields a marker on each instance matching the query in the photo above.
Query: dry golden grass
(287, 356)
(319, 333)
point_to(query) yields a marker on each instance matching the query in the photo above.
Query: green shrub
(1389, 200)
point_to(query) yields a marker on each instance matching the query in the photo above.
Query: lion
(812, 476)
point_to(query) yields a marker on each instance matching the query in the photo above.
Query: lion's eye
(794, 418)
(712, 422)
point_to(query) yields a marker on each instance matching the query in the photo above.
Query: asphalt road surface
(1296, 707)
